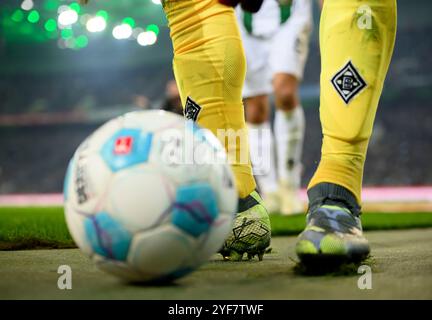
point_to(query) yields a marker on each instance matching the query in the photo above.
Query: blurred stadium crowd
(45, 115)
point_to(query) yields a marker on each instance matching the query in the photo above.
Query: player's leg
(287, 60)
(356, 39)
(262, 149)
(209, 66)
(257, 109)
(289, 130)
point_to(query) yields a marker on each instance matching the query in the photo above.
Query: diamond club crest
(348, 82)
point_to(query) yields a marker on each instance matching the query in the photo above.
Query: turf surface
(39, 227)
(33, 227)
(401, 266)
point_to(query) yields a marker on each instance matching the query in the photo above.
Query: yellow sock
(210, 68)
(357, 39)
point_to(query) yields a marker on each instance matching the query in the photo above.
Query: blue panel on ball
(107, 237)
(67, 179)
(195, 208)
(126, 148)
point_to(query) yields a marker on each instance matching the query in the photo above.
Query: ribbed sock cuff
(333, 194)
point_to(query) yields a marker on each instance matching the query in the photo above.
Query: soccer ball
(150, 196)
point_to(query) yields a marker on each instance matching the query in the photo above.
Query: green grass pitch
(45, 227)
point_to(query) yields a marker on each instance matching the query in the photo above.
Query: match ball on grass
(150, 196)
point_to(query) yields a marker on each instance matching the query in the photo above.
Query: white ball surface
(149, 196)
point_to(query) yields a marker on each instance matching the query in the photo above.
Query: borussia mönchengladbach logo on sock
(348, 82)
(191, 110)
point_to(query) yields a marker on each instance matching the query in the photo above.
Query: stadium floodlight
(67, 33)
(75, 6)
(50, 25)
(27, 5)
(33, 16)
(17, 16)
(130, 21)
(67, 17)
(62, 9)
(154, 28)
(96, 24)
(147, 38)
(122, 31)
(81, 42)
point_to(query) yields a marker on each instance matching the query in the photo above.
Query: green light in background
(18, 16)
(154, 28)
(50, 25)
(33, 16)
(103, 14)
(81, 41)
(66, 33)
(51, 5)
(76, 7)
(130, 21)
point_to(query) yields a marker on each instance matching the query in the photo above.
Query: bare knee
(285, 89)
(257, 109)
